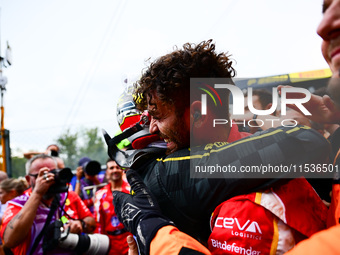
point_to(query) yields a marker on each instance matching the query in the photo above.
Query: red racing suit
(107, 221)
(270, 222)
(75, 207)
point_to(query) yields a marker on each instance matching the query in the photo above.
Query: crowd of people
(51, 197)
(157, 205)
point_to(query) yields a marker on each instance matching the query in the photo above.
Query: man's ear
(195, 114)
(28, 179)
(268, 106)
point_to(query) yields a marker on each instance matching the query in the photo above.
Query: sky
(70, 57)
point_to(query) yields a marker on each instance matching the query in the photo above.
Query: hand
(75, 226)
(139, 211)
(133, 248)
(79, 173)
(323, 109)
(89, 225)
(43, 182)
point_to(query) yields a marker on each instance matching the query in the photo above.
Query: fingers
(141, 191)
(75, 226)
(43, 181)
(79, 172)
(117, 196)
(136, 182)
(133, 249)
(46, 175)
(279, 88)
(329, 103)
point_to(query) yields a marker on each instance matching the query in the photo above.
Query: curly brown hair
(169, 76)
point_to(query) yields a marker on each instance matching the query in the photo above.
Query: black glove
(139, 212)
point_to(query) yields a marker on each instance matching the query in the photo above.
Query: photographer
(53, 150)
(88, 174)
(27, 216)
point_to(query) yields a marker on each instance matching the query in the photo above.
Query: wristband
(77, 181)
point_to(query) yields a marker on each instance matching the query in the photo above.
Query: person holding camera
(27, 218)
(87, 175)
(51, 150)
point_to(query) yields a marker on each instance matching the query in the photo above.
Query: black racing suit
(189, 202)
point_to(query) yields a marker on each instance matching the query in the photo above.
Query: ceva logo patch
(231, 223)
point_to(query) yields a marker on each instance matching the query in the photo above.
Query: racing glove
(139, 212)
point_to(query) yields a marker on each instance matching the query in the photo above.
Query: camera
(90, 167)
(54, 153)
(61, 177)
(57, 238)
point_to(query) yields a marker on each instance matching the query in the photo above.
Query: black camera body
(54, 153)
(92, 167)
(61, 177)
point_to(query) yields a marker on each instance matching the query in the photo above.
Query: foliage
(94, 146)
(18, 167)
(68, 146)
(84, 143)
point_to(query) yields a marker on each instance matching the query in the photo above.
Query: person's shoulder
(72, 196)
(100, 193)
(19, 200)
(181, 154)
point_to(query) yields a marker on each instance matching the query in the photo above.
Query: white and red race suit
(270, 222)
(107, 221)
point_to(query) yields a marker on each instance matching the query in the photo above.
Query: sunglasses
(34, 175)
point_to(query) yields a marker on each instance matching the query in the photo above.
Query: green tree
(93, 146)
(18, 167)
(83, 143)
(69, 148)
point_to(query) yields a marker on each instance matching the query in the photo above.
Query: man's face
(113, 171)
(170, 123)
(37, 165)
(329, 30)
(256, 103)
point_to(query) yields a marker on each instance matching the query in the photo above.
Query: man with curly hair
(164, 90)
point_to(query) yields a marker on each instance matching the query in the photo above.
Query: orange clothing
(323, 242)
(170, 241)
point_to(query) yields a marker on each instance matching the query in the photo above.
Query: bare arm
(90, 224)
(79, 175)
(19, 227)
(76, 226)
